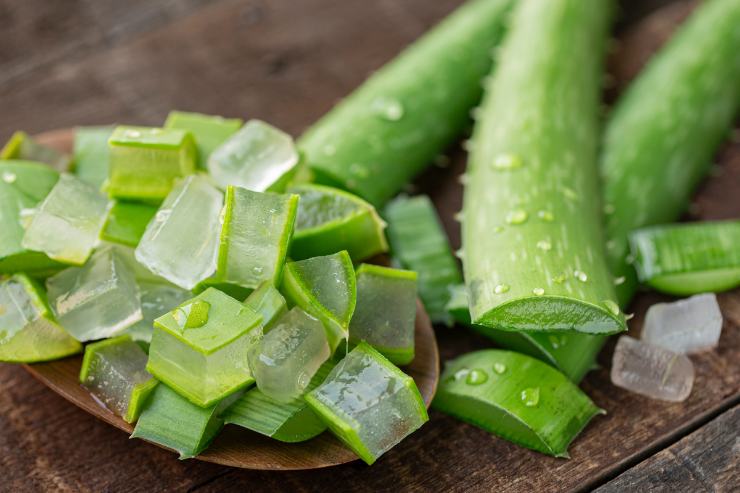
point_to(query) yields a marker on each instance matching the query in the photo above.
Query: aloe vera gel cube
(181, 241)
(97, 300)
(386, 311)
(209, 131)
(267, 302)
(258, 157)
(156, 300)
(67, 223)
(368, 403)
(146, 161)
(114, 370)
(286, 359)
(200, 348)
(92, 155)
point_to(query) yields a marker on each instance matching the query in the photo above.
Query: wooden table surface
(287, 61)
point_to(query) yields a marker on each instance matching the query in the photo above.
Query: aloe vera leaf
(22, 147)
(400, 119)
(368, 403)
(686, 259)
(330, 220)
(126, 222)
(515, 397)
(663, 132)
(209, 131)
(533, 250)
(91, 154)
(145, 162)
(267, 302)
(385, 313)
(326, 288)
(28, 332)
(419, 243)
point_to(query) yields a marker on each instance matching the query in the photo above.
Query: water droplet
(330, 149)
(531, 396)
(501, 289)
(192, 315)
(476, 377)
(388, 108)
(612, 307)
(9, 177)
(460, 374)
(463, 179)
(517, 216)
(134, 134)
(163, 215)
(505, 162)
(546, 216)
(459, 216)
(619, 280)
(544, 245)
(538, 291)
(257, 270)
(499, 368)
(569, 193)
(556, 341)
(580, 275)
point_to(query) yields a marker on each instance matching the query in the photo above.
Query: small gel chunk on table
(685, 326)
(651, 370)
(286, 359)
(97, 300)
(368, 403)
(114, 370)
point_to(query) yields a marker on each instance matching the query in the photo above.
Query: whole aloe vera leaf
(533, 248)
(400, 119)
(516, 397)
(664, 130)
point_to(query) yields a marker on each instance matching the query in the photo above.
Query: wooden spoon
(236, 446)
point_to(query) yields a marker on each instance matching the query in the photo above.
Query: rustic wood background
(64, 63)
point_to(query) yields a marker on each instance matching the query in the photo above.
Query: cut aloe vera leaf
(97, 300)
(419, 243)
(200, 348)
(21, 146)
(330, 220)
(267, 302)
(111, 370)
(28, 333)
(368, 403)
(67, 223)
(255, 235)
(285, 360)
(386, 312)
(172, 421)
(258, 157)
(324, 287)
(156, 300)
(209, 131)
(33, 179)
(665, 129)
(289, 422)
(515, 397)
(381, 136)
(91, 154)
(574, 354)
(146, 161)
(181, 243)
(126, 222)
(686, 259)
(533, 249)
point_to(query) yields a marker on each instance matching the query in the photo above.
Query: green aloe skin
(533, 249)
(664, 130)
(397, 122)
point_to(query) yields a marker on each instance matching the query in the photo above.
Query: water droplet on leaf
(501, 288)
(517, 216)
(531, 396)
(476, 377)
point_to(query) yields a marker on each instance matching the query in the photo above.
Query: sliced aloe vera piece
(516, 397)
(91, 154)
(686, 259)
(419, 243)
(386, 312)
(209, 131)
(33, 179)
(368, 403)
(111, 370)
(200, 348)
(28, 333)
(156, 300)
(22, 146)
(330, 220)
(289, 422)
(267, 302)
(126, 222)
(324, 287)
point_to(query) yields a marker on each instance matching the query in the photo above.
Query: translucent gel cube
(684, 326)
(258, 157)
(98, 300)
(156, 300)
(209, 131)
(267, 302)
(368, 403)
(180, 244)
(67, 223)
(204, 357)
(289, 355)
(112, 370)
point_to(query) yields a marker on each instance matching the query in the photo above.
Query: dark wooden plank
(706, 460)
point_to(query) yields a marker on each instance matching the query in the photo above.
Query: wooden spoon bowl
(236, 446)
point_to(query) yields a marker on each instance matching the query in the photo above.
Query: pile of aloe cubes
(210, 284)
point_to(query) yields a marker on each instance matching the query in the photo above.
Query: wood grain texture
(288, 62)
